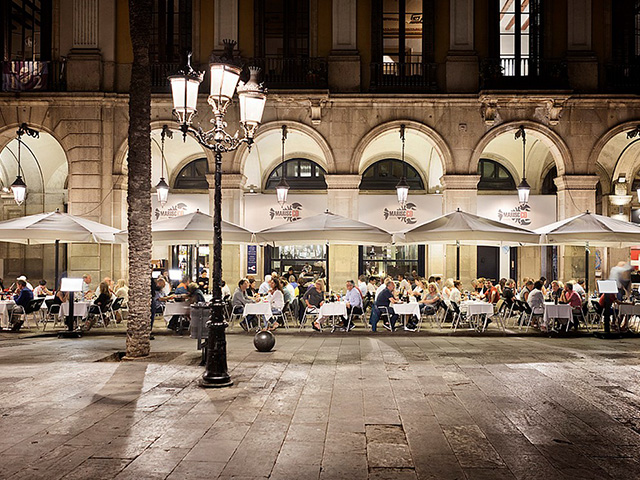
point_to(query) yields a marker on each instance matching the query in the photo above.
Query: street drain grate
(388, 450)
(156, 357)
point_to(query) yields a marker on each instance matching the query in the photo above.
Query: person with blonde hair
(446, 290)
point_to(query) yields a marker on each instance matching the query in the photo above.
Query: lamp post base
(217, 382)
(69, 334)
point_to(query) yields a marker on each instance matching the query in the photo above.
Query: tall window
(626, 31)
(171, 25)
(548, 184)
(402, 22)
(300, 173)
(494, 176)
(519, 36)
(392, 260)
(385, 175)
(25, 30)
(193, 176)
(282, 28)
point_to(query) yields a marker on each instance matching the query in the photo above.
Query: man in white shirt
(29, 286)
(353, 297)
(403, 284)
(264, 286)
(382, 286)
(579, 289)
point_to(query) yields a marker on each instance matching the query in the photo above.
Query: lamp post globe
(225, 74)
(19, 189)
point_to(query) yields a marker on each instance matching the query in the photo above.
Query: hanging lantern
(253, 98)
(19, 189)
(282, 189)
(162, 190)
(523, 191)
(402, 188)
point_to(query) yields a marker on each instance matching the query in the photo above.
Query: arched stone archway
(556, 145)
(359, 160)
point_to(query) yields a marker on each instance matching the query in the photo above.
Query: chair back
(117, 304)
(526, 308)
(54, 309)
(596, 306)
(455, 307)
(34, 305)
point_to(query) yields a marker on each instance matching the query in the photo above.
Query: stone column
(344, 60)
(234, 257)
(460, 191)
(342, 199)
(576, 194)
(84, 63)
(462, 61)
(582, 63)
(225, 24)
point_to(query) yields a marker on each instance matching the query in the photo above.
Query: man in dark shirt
(313, 299)
(22, 297)
(385, 299)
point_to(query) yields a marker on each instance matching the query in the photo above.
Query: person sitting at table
(606, 301)
(535, 299)
(252, 290)
(578, 287)
(383, 286)
(86, 286)
(556, 291)
(292, 281)
(362, 285)
(22, 298)
(403, 284)
(240, 298)
(528, 287)
(203, 281)
(354, 301)
(157, 300)
(456, 293)
(446, 290)
(265, 286)
(430, 299)
(103, 300)
(226, 291)
(194, 295)
(571, 297)
(41, 290)
(183, 286)
(288, 291)
(312, 300)
(384, 300)
(276, 300)
(491, 294)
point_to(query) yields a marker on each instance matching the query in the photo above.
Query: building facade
(462, 76)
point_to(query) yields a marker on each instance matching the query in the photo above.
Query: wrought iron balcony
(292, 72)
(407, 76)
(159, 76)
(623, 78)
(33, 76)
(508, 73)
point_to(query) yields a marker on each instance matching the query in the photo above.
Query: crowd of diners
(372, 294)
(24, 296)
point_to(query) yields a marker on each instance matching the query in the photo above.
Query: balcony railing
(302, 72)
(159, 74)
(623, 78)
(33, 76)
(408, 76)
(526, 73)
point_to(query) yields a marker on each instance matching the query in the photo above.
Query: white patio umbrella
(468, 229)
(590, 229)
(55, 227)
(196, 227)
(326, 228)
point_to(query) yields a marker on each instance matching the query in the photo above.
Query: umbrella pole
(457, 260)
(56, 259)
(327, 270)
(586, 267)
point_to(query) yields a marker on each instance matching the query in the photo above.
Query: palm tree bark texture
(139, 182)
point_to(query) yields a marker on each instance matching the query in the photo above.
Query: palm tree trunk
(139, 182)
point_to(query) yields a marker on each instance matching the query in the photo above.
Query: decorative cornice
(577, 182)
(460, 182)
(343, 182)
(229, 180)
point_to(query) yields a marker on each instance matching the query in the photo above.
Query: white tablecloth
(262, 308)
(79, 309)
(551, 310)
(626, 309)
(478, 308)
(176, 308)
(407, 309)
(338, 309)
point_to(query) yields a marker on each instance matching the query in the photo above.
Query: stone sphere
(264, 341)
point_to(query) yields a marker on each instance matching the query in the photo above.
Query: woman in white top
(276, 300)
(455, 295)
(446, 290)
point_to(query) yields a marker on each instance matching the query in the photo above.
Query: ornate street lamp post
(523, 188)
(225, 75)
(18, 187)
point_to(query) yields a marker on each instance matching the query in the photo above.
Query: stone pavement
(323, 407)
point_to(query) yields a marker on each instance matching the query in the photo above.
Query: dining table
(560, 311)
